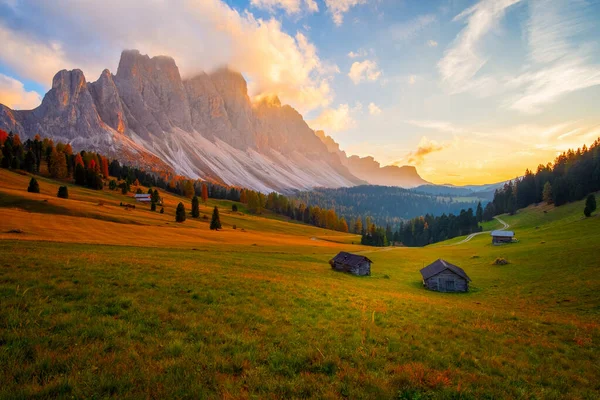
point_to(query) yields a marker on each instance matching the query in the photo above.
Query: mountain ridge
(203, 127)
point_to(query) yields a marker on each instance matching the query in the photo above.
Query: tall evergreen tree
(215, 223)
(590, 203)
(479, 213)
(195, 207)
(180, 213)
(547, 193)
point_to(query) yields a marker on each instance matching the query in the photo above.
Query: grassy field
(100, 302)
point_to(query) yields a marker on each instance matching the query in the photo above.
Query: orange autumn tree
(204, 193)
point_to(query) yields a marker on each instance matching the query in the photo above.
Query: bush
(234, 227)
(138, 191)
(153, 206)
(180, 213)
(234, 208)
(112, 185)
(587, 212)
(63, 192)
(590, 204)
(34, 186)
(500, 261)
(162, 210)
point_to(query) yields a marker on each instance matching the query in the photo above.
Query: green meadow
(100, 302)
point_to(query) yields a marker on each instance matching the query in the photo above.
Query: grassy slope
(180, 311)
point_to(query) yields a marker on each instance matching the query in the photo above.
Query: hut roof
(440, 265)
(349, 259)
(142, 195)
(503, 233)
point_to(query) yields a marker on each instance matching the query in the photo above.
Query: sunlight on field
(102, 302)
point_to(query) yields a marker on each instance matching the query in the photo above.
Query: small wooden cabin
(442, 276)
(351, 263)
(501, 237)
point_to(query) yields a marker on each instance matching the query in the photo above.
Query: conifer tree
(215, 223)
(180, 213)
(547, 193)
(479, 213)
(590, 205)
(195, 207)
(34, 186)
(152, 206)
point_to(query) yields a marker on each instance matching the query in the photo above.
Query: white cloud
(336, 119)
(364, 71)
(289, 6)
(410, 29)
(338, 8)
(359, 54)
(14, 95)
(463, 60)
(373, 109)
(432, 43)
(412, 79)
(199, 35)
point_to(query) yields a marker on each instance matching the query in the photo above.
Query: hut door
(450, 286)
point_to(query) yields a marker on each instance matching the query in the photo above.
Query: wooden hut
(442, 276)
(501, 237)
(351, 263)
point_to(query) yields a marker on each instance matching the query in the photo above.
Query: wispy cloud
(374, 109)
(410, 29)
(358, 54)
(337, 8)
(559, 66)
(432, 43)
(289, 6)
(364, 71)
(425, 147)
(464, 59)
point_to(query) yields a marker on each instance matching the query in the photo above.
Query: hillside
(98, 302)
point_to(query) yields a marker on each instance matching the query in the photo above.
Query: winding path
(472, 235)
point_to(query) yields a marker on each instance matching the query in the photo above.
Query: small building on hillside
(143, 197)
(351, 263)
(501, 237)
(442, 276)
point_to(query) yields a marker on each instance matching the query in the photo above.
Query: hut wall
(361, 269)
(447, 281)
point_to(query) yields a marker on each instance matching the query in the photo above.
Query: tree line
(573, 175)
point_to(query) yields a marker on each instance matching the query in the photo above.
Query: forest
(573, 175)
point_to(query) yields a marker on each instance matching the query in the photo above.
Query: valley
(102, 302)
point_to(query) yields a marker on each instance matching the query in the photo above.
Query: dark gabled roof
(440, 265)
(349, 259)
(502, 233)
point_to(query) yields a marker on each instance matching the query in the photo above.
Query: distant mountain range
(202, 127)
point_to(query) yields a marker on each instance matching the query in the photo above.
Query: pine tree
(152, 206)
(215, 223)
(79, 174)
(547, 193)
(479, 213)
(180, 213)
(34, 186)
(63, 192)
(204, 193)
(195, 207)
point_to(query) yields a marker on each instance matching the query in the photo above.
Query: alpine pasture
(99, 301)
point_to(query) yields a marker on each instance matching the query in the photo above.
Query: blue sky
(468, 91)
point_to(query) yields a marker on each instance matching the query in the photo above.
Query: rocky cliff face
(368, 169)
(202, 127)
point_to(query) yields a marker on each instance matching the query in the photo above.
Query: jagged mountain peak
(203, 127)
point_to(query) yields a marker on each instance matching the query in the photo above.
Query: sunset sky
(467, 91)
